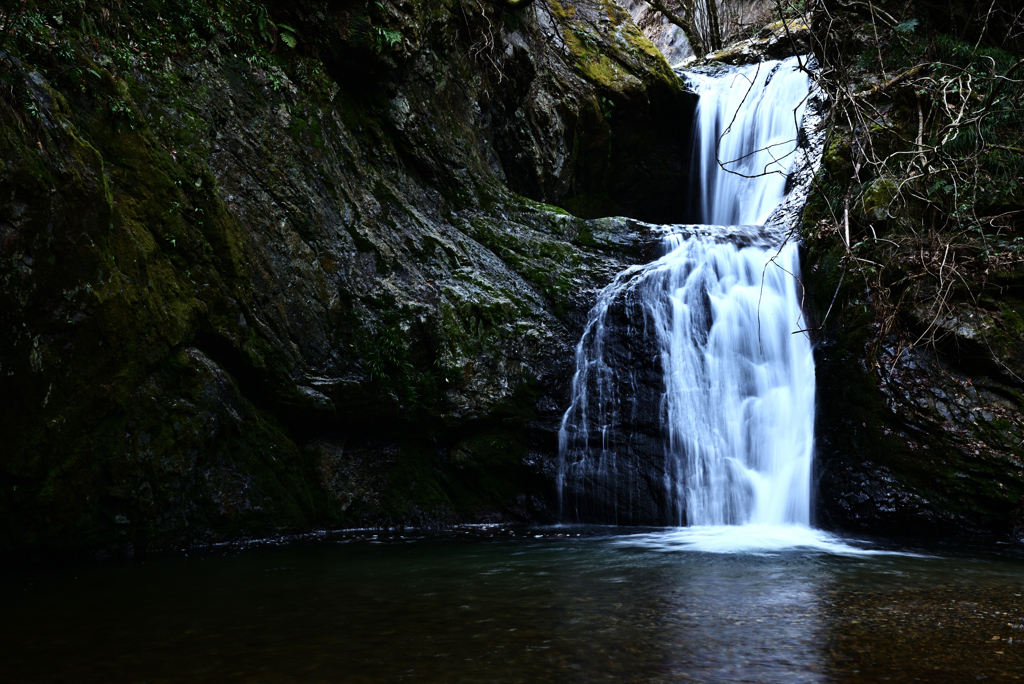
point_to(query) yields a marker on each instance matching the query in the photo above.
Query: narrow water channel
(544, 607)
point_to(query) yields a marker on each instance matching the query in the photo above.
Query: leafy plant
(606, 107)
(907, 26)
(385, 38)
(288, 35)
(121, 112)
(267, 28)
(389, 365)
(270, 31)
(938, 114)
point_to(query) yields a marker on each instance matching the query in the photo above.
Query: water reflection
(538, 610)
(745, 622)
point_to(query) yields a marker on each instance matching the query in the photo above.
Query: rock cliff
(267, 267)
(915, 269)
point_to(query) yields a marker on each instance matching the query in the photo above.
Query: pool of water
(544, 606)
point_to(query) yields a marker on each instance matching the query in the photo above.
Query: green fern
(906, 27)
(289, 36)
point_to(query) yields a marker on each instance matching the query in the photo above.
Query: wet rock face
(616, 474)
(920, 411)
(919, 439)
(920, 373)
(246, 289)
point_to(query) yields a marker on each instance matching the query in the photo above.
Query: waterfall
(693, 397)
(747, 125)
(739, 385)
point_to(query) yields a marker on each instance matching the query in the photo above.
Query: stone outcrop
(920, 355)
(777, 40)
(308, 265)
(302, 265)
(668, 37)
(739, 18)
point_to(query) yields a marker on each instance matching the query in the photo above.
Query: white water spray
(739, 384)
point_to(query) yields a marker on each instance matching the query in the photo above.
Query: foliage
(935, 116)
(388, 360)
(385, 38)
(61, 38)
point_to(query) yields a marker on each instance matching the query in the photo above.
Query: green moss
(151, 231)
(1010, 310)
(837, 158)
(159, 313)
(639, 42)
(481, 470)
(607, 63)
(535, 206)
(415, 483)
(562, 12)
(877, 199)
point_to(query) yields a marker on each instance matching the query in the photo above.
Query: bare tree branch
(685, 22)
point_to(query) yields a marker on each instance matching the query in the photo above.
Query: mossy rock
(877, 199)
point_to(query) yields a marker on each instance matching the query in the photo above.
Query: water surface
(608, 607)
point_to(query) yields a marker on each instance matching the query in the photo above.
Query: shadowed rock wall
(271, 267)
(920, 356)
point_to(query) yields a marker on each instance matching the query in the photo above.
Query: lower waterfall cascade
(710, 337)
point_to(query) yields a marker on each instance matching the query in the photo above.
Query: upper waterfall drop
(745, 139)
(693, 398)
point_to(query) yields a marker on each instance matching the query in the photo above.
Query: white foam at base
(751, 539)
